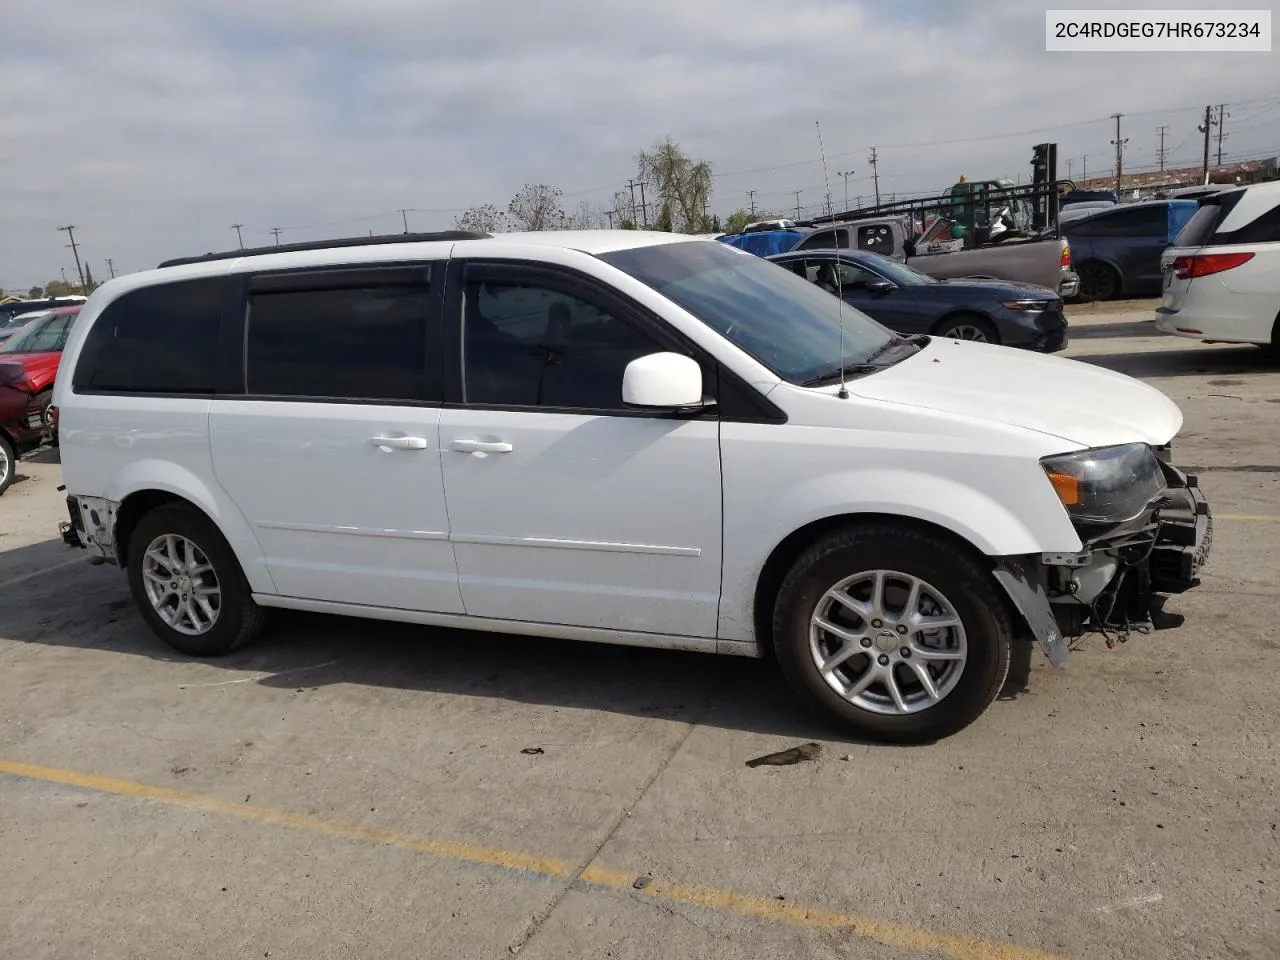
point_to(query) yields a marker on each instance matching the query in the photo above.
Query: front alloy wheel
(888, 642)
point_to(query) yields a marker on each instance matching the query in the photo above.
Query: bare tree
(537, 207)
(485, 218)
(586, 217)
(624, 214)
(682, 185)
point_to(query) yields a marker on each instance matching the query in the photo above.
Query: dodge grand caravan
(626, 437)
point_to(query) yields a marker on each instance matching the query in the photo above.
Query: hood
(1079, 402)
(35, 365)
(1005, 289)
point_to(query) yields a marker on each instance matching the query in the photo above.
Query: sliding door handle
(399, 443)
(481, 446)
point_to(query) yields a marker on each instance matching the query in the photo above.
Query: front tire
(1097, 282)
(892, 634)
(188, 585)
(968, 327)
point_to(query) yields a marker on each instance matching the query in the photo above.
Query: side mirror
(880, 287)
(663, 381)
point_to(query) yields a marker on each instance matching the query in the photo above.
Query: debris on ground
(784, 758)
(533, 751)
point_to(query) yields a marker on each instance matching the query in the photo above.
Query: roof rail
(330, 244)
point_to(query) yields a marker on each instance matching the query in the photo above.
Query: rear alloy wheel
(188, 585)
(8, 463)
(1097, 281)
(892, 634)
(971, 328)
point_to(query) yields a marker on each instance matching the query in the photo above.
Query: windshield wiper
(836, 375)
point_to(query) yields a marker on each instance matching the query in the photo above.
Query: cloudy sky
(153, 125)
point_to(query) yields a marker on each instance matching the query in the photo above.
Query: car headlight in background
(1031, 306)
(1106, 484)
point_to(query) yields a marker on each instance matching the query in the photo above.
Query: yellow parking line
(41, 572)
(725, 901)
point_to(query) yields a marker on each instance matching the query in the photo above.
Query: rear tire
(967, 663)
(1097, 282)
(8, 463)
(44, 401)
(188, 585)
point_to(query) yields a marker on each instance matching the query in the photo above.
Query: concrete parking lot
(350, 789)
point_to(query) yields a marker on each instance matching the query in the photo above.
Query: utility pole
(1084, 168)
(1161, 153)
(797, 204)
(236, 227)
(635, 219)
(609, 214)
(1205, 128)
(404, 215)
(64, 274)
(70, 228)
(276, 232)
(1119, 145)
(1071, 161)
(111, 267)
(751, 195)
(875, 173)
(1222, 116)
(846, 174)
(644, 206)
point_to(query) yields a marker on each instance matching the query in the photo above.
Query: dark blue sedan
(908, 301)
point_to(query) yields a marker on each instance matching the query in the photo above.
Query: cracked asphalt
(350, 789)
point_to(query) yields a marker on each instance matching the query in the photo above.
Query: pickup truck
(1045, 262)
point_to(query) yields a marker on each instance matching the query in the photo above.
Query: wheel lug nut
(883, 660)
(901, 628)
(877, 624)
(866, 641)
(905, 652)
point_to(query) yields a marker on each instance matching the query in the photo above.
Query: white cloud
(153, 125)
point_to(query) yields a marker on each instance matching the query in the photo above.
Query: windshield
(44, 335)
(785, 322)
(901, 274)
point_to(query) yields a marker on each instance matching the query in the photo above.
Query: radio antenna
(844, 390)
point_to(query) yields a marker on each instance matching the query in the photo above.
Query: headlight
(1107, 484)
(1030, 306)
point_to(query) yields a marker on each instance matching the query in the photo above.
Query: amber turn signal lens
(1068, 488)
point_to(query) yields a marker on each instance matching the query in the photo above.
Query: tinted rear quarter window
(156, 339)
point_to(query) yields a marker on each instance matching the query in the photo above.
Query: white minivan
(1222, 274)
(625, 437)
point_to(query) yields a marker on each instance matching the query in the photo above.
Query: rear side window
(1261, 229)
(354, 343)
(827, 240)
(158, 339)
(1139, 222)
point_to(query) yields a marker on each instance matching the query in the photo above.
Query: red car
(28, 364)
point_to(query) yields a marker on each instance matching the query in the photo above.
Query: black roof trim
(331, 244)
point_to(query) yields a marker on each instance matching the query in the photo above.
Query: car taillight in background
(1066, 255)
(1204, 264)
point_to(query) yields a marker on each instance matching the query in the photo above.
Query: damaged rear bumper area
(1118, 582)
(91, 524)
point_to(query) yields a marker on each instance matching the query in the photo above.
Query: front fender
(1014, 515)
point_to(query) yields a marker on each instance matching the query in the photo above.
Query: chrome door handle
(481, 446)
(400, 443)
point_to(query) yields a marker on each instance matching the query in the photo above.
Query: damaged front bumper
(1117, 581)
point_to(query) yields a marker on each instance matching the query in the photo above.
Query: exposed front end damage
(1118, 581)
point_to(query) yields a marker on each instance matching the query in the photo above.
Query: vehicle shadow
(90, 607)
(1098, 331)
(1194, 361)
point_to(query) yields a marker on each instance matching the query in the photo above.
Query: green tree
(738, 220)
(35, 293)
(59, 288)
(682, 184)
